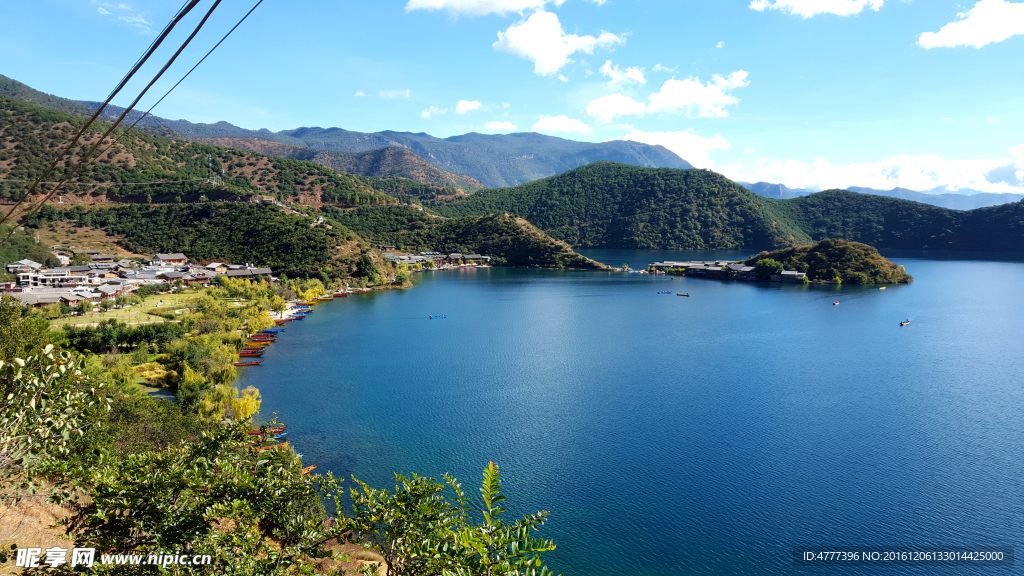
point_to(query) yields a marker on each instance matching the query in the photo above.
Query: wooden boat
(273, 330)
(309, 469)
(904, 323)
(251, 353)
(687, 295)
(248, 363)
(836, 303)
(881, 288)
(325, 298)
(270, 337)
(309, 303)
(281, 445)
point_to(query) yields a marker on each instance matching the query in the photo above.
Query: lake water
(668, 435)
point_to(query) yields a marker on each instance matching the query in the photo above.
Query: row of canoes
(255, 345)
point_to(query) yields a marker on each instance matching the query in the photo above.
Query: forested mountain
(492, 159)
(261, 234)
(142, 166)
(893, 223)
(614, 205)
(17, 91)
(617, 206)
(389, 162)
(965, 200)
(507, 240)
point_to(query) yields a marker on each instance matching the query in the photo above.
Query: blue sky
(810, 93)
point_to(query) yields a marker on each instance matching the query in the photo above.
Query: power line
(134, 69)
(99, 140)
(143, 116)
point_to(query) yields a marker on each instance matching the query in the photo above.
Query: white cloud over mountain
(433, 110)
(606, 108)
(916, 172)
(708, 100)
(508, 126)
(465, 106)
(540, 39)
(480, 7)
(690, 147)
(988, 22)
(559, 124)
(808, 8)
(620, 77)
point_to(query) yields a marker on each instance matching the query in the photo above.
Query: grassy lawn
(132, 315)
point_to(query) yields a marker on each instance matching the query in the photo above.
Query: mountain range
(965, 199)
(493, 159)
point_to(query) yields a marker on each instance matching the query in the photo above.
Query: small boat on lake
(251, 353)
(904, 323)
(248, 363)
(273, 330)
(309, 469)
(665, 292)
(881, 288)
(836, 303)
(687, 294)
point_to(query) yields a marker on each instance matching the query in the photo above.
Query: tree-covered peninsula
(836, 261)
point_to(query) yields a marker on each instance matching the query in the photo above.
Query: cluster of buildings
(439, 260)
(104, 278)
(722, 270)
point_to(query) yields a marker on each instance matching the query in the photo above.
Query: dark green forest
(261, 234)
(611, 205)
(619, 206)
(850, 262)
(509, 241)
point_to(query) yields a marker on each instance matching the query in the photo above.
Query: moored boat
(905, 323)
(248, 363)
(687, 294)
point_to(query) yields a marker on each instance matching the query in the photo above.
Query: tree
(81, 260)
(257, 320)
(20, 334)
(51, 311)
(106, 304)
(766, 267)
(43, 402)
(365, 268)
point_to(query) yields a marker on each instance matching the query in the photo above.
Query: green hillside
(893, 223)
(142, 165)
(17, 91)
(618, 206)
(611, 205)
(508, 240)
(261, 234)
(851, 262)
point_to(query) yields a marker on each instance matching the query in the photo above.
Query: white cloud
(560, 123)
(993, 119)
(395, 93)
(606, 108)
(808, 8)
(506, 105)
(989, 21)
(916, 172)
(433, 110)
(103, 11)
(480, 7)
(465, 106)
(540, 38)
(136, 21)
(707, 99)
(360, 93)
(720, 45)
(563, 78)
(690, 147)
(599, 2)
(618, 77)
(500, 126)
(660, 68)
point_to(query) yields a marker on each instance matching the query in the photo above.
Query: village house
(23, 266)
(175, 259)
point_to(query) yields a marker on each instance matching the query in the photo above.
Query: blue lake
(669, 435)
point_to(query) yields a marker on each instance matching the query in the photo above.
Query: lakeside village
(722, 270)
(100, 278)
